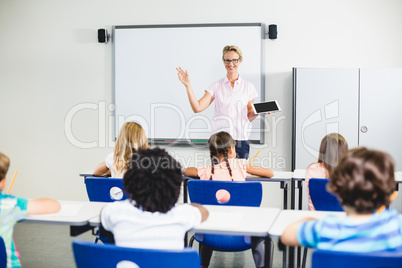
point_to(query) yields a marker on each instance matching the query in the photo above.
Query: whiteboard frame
(163, 141)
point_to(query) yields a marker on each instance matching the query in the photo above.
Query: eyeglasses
(229, 61)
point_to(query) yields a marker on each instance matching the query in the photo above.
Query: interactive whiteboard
(146, 86)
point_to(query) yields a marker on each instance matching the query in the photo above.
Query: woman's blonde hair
(131, 138)
(234, 49)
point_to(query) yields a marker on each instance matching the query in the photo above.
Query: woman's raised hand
(184, 77)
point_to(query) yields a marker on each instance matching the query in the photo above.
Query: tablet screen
(264, 107)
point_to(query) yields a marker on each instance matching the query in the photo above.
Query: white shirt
(133, 227)
(231, 107)
(109, 163)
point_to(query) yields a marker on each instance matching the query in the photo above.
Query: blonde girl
(131, 138)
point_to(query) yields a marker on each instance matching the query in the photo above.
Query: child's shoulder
(317, 170)
(11, 202)
(241, 161)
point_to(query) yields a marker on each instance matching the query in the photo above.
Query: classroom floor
(46, 245)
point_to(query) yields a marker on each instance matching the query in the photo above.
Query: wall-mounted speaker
(102, 36)
(272, 31)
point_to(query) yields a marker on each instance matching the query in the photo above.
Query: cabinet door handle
(364, 129)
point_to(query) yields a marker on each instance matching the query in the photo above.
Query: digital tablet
(266, 107)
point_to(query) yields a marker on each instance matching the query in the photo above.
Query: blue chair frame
(3, 254)
(98, 188)
(89, 255)
(334, 259)
(241, 194)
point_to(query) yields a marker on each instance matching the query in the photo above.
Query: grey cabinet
(361, 104)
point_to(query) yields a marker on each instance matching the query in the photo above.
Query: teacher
(233, 97)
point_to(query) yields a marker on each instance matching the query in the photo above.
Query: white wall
(51, 64)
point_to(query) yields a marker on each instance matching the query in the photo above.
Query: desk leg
(267, 260)
(185, 193)
(284, 186)
(292, 193)
(284, 256)
(77, 230)
(300, 187)
(292, 206)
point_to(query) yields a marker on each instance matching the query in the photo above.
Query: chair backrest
(321, 198)
(90, 255)
(102, 189)
(242, 193)
(334, 259)
(3, 254)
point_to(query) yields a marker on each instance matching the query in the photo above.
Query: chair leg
(272, 252)
(190, 244)
(304, 257)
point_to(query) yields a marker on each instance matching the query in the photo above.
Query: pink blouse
(221, 173)
(315, 170)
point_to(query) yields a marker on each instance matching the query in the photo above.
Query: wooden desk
(76, 214)
(284, 177)
(234, 220)
(287, 217)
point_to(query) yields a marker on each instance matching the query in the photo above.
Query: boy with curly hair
(364, 182)
(150, 217)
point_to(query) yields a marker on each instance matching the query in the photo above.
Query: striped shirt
(382, 232)
(12, 209)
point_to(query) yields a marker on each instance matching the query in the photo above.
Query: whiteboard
(146, 86)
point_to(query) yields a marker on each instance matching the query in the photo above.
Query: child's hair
(132, 137)
(153, 180)
(4, 165)
(219, 144)
(332, 147)
(234, 49)
(364, 179)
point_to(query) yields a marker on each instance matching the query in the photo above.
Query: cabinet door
(381, 110)
(325, 101)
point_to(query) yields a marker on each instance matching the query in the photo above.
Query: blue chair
(334, 259)
(104, 189)
(321, 198)
(322, 201)
(241, 194)
(89, 255)
(3, 254)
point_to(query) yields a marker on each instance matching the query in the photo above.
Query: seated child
(150, 217)
(364, 182)
(14, 209)
(228, 168)
(132, 137)
(332, 148)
